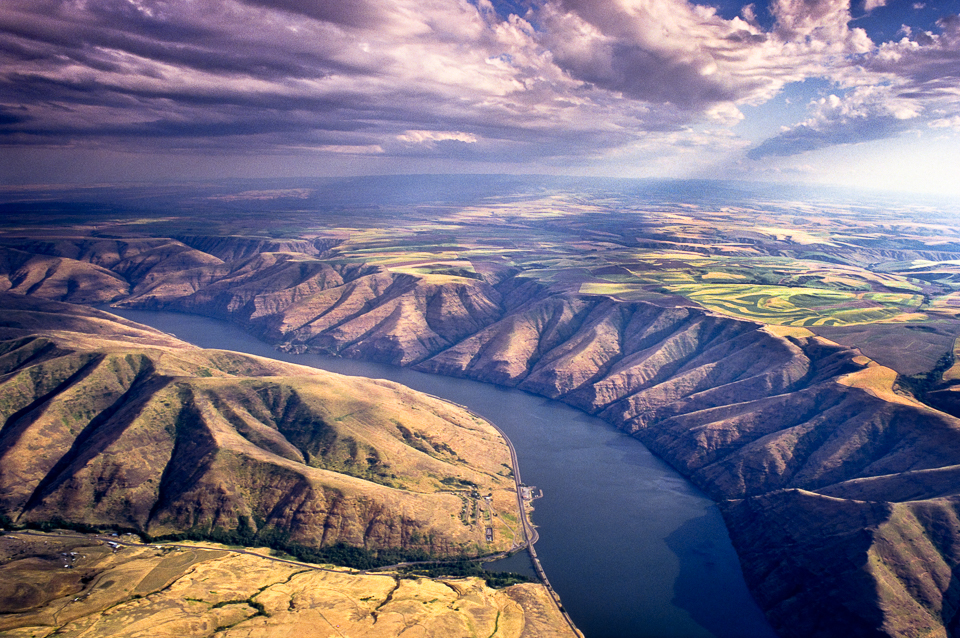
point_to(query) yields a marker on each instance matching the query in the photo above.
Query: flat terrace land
(787, 264)
(814, 263)
(73, 585)
(784, 263)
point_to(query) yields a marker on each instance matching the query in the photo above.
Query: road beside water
(631, 547)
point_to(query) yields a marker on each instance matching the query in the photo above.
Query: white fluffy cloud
(428, 137)
(867, 113)
(898, 86)
(570, 80)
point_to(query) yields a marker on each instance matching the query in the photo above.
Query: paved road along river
(630, 546)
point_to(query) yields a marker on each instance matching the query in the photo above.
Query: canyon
(836, 482)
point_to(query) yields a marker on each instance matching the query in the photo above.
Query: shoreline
(758, 626)
(530, 533)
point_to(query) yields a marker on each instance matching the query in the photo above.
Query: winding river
(631, 547)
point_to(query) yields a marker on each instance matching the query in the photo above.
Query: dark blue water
(631, 547)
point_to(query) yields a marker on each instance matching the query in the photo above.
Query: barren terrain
(70, 585)
(107, 423)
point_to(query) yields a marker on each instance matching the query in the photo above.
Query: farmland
(787, 269)
(827, 263)
(794, 358)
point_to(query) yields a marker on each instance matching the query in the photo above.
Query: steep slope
(360, 312)
(290, 297)
(147, 433)
(236, 248)
(750, 415)
(839, 492)
(60, 279)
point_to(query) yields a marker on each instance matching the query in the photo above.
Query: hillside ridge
(770, 426)
(163, 438)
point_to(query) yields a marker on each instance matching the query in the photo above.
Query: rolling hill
(107, 423)
(838, 488)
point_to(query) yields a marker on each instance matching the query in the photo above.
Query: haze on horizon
(812, 91)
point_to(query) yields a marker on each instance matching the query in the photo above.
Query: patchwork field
(779, 263)
(817, 263)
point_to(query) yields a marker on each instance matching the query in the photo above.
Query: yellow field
(172, 592)
(799, 306)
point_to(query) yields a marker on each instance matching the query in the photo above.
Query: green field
(793, 263)
(800, 306)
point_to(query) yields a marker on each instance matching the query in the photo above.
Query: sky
(862, 94)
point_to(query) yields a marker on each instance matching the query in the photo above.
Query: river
(631, 547)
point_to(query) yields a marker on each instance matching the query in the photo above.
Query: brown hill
(839, 492)
(110, 423)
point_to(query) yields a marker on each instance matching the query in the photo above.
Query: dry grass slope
(829, 476)
(162, 591)
(162, 437)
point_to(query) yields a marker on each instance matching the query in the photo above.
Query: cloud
(428, 137)
(924, 65)
(805, 137)
(818, 26)
(897, 86)
(10, 116)
(279, 75)
(356, 13)
(660, 51)
(567, 81)
(866, 114)
(946, 122)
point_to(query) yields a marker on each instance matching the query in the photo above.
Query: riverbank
(630, 546)
(530, 533)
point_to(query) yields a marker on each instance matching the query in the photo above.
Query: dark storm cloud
(355, 13)
(11, 116)
(651, 76)
(639, 56)
(92, 37)
(137, 70)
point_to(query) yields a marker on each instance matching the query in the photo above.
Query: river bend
(631, 547)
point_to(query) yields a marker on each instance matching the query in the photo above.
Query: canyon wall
(839, 491)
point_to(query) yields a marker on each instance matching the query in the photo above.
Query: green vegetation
(339, 554)
(920, 384)
(344, 555)
(424, 443)
(55, 523)
(799, 306)
(800, 270)
(463, 569)
(458, 482)
(247, 601)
